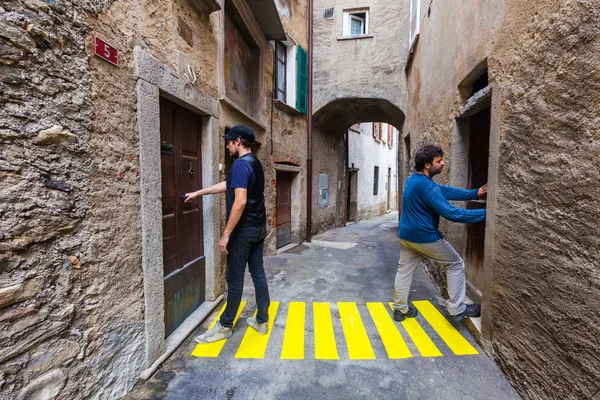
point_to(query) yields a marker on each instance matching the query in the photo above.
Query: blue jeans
(246, 247)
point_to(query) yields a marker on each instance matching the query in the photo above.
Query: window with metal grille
(328, 13)
(376, 181)
(280, 71)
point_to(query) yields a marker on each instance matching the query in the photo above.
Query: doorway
(478, 155)
(183, 236)
(389, 190)
(283, 208)
(352, 196)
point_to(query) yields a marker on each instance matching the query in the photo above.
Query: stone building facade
(372, 171)
(511, 90)
(90, 180)
(358, 77)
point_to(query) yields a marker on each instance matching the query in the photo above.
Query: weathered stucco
(541, 296)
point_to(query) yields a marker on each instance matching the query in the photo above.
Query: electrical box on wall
(323, 191)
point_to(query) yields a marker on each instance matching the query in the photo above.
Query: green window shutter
(302, 81)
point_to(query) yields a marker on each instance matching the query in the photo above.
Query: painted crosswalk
(360, 332)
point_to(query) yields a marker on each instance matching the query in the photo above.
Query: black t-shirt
(247, 173)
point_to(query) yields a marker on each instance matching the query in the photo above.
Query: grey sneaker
(471, 311)
(400, 316)
(216, 333)
(260, 328)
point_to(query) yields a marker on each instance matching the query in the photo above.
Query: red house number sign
(105, 51)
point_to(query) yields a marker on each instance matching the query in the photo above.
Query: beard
(434, 171)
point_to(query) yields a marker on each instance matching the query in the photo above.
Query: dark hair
(425, 155)
(245, 143)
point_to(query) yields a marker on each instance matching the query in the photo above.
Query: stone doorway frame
(155, 80)
(488, 97)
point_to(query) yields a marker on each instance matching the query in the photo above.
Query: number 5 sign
(105, 51)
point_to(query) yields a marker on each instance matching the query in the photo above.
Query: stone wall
(71, 283)
(541, 299)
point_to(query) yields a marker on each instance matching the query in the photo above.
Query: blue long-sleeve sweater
(423, 203)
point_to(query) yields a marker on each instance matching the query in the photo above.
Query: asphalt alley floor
(332, 298)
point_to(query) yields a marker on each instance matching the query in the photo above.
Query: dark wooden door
(283, 209)
(479, 151)
(183, 249)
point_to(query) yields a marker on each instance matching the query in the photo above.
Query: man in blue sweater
(422, 204)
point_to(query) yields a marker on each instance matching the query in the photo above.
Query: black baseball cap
(240, 131)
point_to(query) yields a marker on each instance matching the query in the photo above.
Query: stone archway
(330, 123)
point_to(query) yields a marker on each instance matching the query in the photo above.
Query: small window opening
(328, 13)
(356, 22)
(480, 83)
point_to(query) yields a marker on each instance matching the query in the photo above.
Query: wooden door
(183, 249)
(389, 189)
(283, 209)
(478, 174)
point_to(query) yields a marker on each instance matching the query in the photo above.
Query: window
(376, 130)
(415, 21)
(280, 71)
(302, 81)
(356, 22)
(290, 85)
(328, 13)
(241, 60)
(376, 181)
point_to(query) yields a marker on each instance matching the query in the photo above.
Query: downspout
(345, 175)
(309, 165)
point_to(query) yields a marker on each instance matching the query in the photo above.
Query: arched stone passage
(340, 114)
(330, 123)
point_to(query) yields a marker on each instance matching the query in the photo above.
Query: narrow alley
(351, 270)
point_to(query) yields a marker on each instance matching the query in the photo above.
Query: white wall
(366, 153)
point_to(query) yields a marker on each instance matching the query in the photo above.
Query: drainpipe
(309, 165)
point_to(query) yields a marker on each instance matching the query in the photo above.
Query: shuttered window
(302, 81)
(376, 181)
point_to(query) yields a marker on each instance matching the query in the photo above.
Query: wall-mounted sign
(105, 51)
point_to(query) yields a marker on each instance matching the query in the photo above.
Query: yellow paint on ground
(293, 338)
(455, 341)
(357, 340)
(325, 347)
(254, 345)
(212, 350)
(419, 337)
(392, 340)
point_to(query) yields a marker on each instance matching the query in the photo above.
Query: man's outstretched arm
(436, 201)
(214, 189)
(454, 193)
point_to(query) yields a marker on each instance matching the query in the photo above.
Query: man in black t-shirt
(244, 235)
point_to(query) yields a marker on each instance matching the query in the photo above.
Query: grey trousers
(411, 255)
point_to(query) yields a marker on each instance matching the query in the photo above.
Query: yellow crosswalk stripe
(357, 340)
(455, 341)
(213, 350)
(254, 345)
(419, 337)
(293, 338)
(392, 340)
(325, 347)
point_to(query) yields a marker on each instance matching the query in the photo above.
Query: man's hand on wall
(482, 193)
